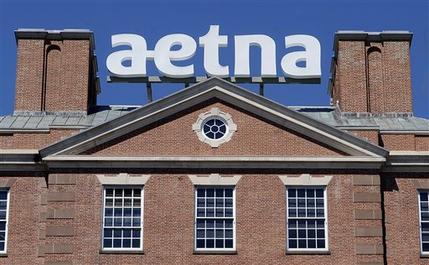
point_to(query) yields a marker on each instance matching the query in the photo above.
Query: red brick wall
(399, 142)
(33, 140)
(397, 76)
(29, 74)
(368, 135)
(402, 218)
(406, 142)
(24, 220)
(351, 76)
(169, 223)
(422, 142)
(253, 137)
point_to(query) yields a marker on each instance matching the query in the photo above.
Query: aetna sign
(131, 62)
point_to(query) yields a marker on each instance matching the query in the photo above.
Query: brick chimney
(371, 71)
(56, 71)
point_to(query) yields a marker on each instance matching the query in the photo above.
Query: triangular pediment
(229, 97)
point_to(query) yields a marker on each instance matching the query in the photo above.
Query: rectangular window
(215, 218)
(4, 212)
(306, 219)
(123, 218)
(424, 221)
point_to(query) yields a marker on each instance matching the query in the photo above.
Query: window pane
(209, 223)
(210, 203)
(108, 232)
(108, 212)
(127, 193)
(126, 233)
(200, 243)
(136, 243)
(107, 243)
(210, 192)
(228, 243)
(200, 203)
(210, 243)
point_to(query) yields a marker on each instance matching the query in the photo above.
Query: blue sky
(154, 19)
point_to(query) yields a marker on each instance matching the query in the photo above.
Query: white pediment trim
(225, 91)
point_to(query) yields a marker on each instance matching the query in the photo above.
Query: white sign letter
(164, 55)
(268, 55)
(311, 57)
(137, 56)
(211, 43)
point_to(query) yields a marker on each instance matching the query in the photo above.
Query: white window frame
(325, 206)
(420, 221)
(112, 249)
(216, 250)
(7, 220)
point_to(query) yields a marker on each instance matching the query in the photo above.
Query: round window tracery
(215, 128)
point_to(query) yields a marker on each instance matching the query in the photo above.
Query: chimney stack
(371, 71)
(56, 71)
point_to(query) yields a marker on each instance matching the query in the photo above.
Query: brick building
(213, 173)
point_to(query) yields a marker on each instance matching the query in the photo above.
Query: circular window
(214, 128)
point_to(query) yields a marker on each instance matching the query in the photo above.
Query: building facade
(213, 173)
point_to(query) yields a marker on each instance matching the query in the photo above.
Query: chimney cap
(37, 33)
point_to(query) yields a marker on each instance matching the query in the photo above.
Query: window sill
(3, 255)
(215, 252)
(424, 256)
(308, 252)
(122, 252)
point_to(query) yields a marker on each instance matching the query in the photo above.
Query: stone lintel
(305, 180)
(123, 179)
(214, 179)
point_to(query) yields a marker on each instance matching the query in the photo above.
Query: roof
(23, 121)
(384, 122)
(389, 122)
